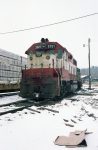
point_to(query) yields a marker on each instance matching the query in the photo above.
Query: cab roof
(33, 48)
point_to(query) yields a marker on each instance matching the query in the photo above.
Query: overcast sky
(21, 14)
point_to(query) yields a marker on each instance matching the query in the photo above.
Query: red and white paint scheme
(51, 71)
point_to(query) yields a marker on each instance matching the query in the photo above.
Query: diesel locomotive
(51, 71)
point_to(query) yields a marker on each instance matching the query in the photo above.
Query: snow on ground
(26, 130)
(9, 99)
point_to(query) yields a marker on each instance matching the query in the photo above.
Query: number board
(45, 46)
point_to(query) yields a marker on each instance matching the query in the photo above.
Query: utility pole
(89, 63)
(89, 40)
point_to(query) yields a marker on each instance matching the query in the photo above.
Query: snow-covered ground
(26, 130)
(9, 99)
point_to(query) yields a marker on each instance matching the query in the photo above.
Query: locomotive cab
(41, 59)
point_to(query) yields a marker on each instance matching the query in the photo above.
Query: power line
(51, 24)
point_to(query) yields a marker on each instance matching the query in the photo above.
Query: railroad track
(19, 105)
(14, 107)
(9, 93)
(26, 104)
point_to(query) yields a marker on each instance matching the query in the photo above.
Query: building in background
(94, 72)
(11, 66)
